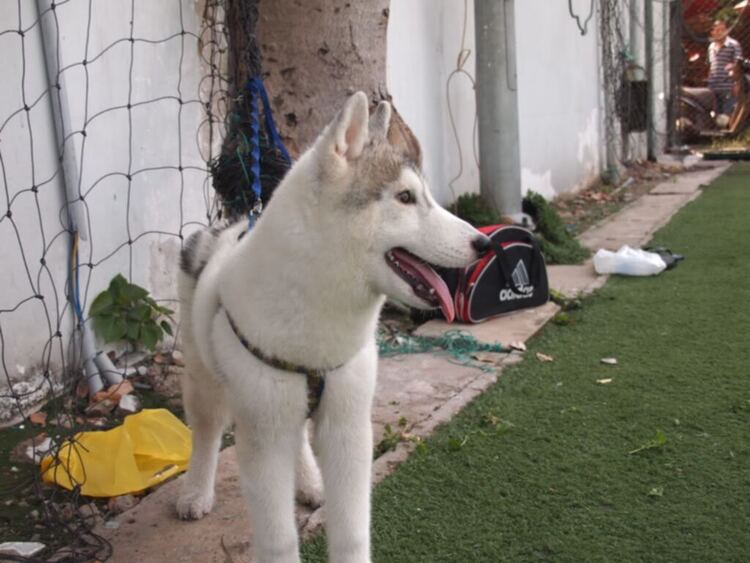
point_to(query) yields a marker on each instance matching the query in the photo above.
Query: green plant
(125, 311)
(391, 439)
(558, 245)
(473, 209)
(657, 442)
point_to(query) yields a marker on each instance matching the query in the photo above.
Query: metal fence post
(648, 24)
(497, 106)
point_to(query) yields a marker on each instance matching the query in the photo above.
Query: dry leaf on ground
(38, 418)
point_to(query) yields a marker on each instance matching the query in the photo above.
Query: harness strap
(315, 377)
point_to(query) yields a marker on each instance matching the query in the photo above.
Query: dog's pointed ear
(380, 121)
(348, 133)
(402, 138)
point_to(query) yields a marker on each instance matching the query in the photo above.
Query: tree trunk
(315, 53)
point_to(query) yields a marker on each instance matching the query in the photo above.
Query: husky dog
(279, 326)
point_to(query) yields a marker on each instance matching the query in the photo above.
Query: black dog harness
(315, 377)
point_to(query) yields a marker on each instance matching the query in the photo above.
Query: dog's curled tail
(195, 254)
(197, 251)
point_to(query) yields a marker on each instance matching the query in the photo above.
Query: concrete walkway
(425, 389)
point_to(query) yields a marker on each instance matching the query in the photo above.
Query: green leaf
(143, 312)
(120, 328)
(134, 329)
(105, 327)
(456, 444)
(659, 440)
(101, 304)
(134, 292)
(166, 327)
(110, 328)
(150, 335)
(117, 285)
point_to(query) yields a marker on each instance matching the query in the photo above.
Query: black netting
(111, 118)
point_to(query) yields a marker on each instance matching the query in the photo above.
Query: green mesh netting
(458, 344)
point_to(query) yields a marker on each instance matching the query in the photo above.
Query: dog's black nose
(481, 244)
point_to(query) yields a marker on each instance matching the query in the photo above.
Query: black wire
(582, 27)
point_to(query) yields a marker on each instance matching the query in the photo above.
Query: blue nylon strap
(271, 131)
(254, 140)
(256, 89)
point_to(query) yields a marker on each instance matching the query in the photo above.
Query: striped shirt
(719, 57)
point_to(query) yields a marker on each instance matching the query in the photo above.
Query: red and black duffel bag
(510, 277)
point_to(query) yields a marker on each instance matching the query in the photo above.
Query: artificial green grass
(538, 468)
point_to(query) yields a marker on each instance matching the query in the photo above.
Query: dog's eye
(406, 197)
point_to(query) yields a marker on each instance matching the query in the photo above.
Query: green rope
(456, 343)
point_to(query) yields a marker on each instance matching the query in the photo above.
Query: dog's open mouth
(423, 279)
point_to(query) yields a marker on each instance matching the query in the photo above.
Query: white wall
(424, 39)
(148, 143)
(558, 97)
(559, 91)
(29, 222)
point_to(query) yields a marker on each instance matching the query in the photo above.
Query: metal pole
(675, 71)
(69, 178)
(635, 47)
(648, 24)
(497, 106)
(61, 114)
(634, 53)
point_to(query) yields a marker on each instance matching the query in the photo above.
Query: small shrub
(125, 311)
(556, 242)
(473, 209)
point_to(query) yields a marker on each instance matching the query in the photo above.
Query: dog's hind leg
(207, 417)
(343, 435)
(308, 479)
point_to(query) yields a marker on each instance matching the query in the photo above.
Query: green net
(458, 344)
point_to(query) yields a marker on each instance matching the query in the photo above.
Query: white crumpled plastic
(628, 262)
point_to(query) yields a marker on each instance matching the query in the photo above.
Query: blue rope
(273, 134)
(254, 141)
(75, 280)
(255, 89)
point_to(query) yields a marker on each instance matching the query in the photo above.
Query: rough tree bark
(315, 53)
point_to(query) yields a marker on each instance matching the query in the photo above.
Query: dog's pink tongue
(433, 280)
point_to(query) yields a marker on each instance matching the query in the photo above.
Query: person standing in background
(722, 54)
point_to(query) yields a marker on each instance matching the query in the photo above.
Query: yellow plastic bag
(148, 448)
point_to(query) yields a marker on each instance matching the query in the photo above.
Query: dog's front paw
(194, 506)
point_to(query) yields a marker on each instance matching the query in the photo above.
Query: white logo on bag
(522, 282)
